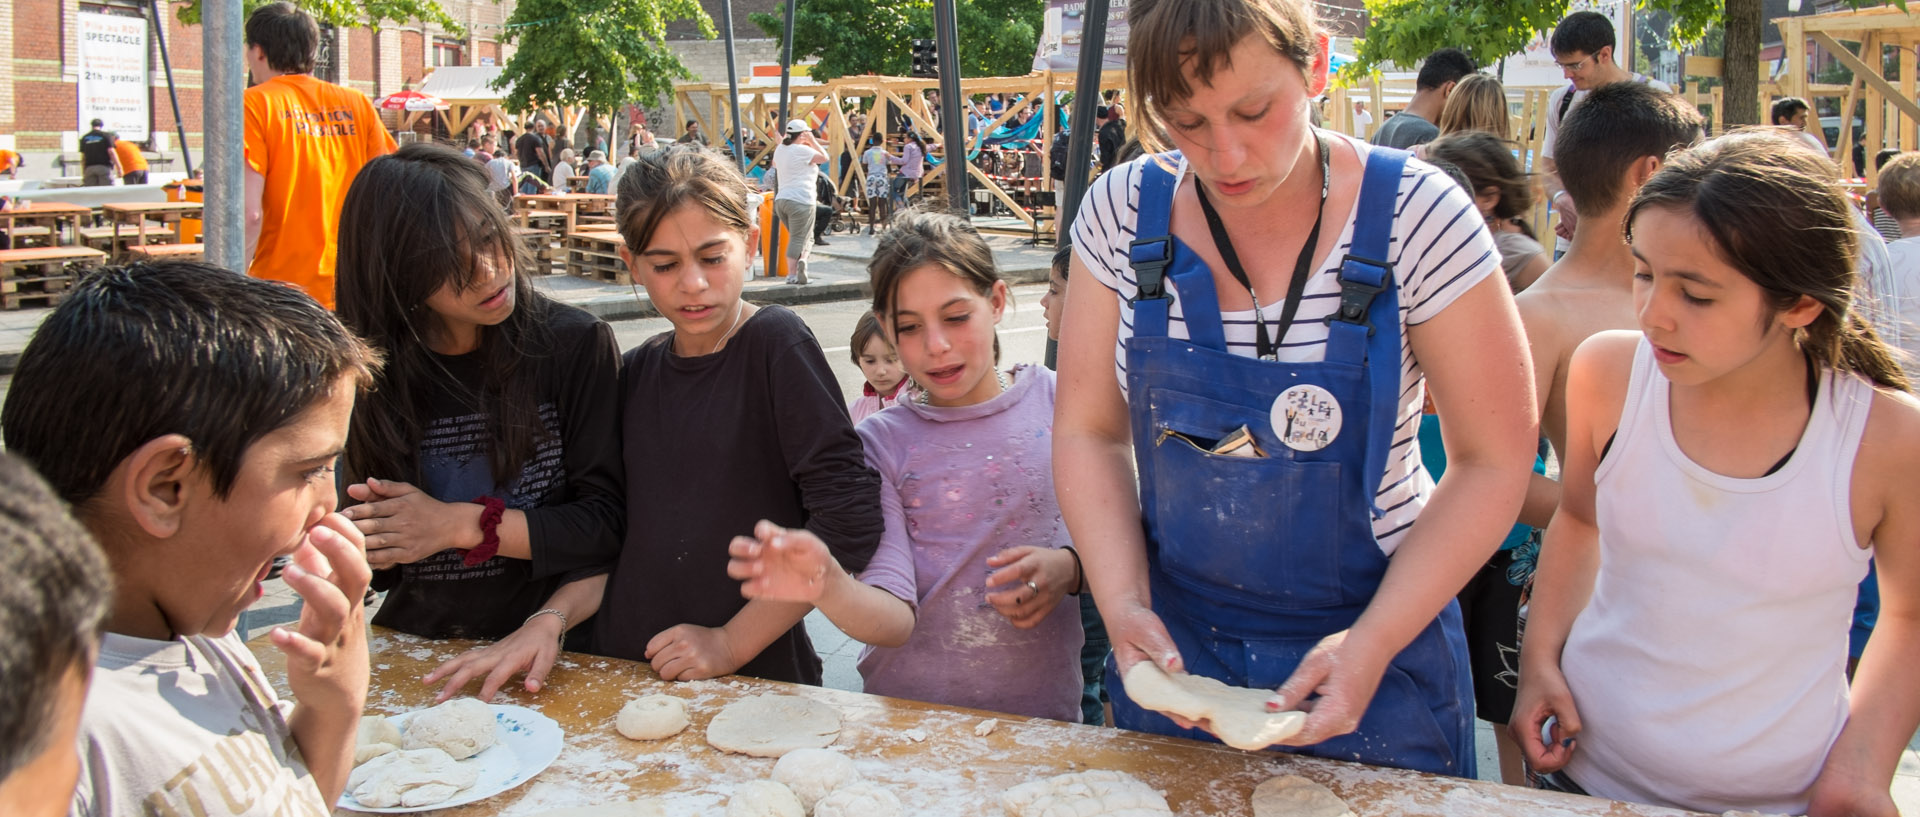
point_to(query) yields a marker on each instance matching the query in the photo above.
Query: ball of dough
(1295, 796)
(652, 717)
(376, 736)
(812, 773)
(462, 727)
(410, 778)
(773, 725)
(859, 799)
(764, 798)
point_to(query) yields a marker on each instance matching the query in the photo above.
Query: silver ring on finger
(1035, 588)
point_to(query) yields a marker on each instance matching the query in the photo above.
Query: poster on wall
(113, 74)
(1060, 36)
(1535, 67)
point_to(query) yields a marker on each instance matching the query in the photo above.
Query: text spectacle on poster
(1060, 36)
(113, 74)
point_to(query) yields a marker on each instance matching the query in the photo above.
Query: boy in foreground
(192, 416)
(53, 599)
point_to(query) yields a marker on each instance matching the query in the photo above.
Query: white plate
(525, 742)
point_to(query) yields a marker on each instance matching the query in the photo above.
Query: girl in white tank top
(1730, 470)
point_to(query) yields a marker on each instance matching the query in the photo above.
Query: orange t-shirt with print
(308, 138)
(131, 159)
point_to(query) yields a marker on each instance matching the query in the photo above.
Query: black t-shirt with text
(96, 148)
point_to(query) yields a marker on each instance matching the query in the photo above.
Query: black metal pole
(1086, 96)
(160, 33)
(733, 85)
(953, 127)
(780, 126)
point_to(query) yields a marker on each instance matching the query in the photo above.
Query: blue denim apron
(1253, 560)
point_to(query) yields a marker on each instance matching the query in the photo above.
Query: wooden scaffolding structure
(830, 102)
(1892, 116)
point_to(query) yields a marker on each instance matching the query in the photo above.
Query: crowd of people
(1336, 489)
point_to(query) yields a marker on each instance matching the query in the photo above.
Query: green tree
(597, 53)
(1404, 31)
(349, 13)
(845, 37)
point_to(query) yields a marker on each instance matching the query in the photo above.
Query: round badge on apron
(1306, 418)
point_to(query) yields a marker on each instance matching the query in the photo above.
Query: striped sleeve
(1445, 247)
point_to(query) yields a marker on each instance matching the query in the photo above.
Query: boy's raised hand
(781, 564)
(327, 649)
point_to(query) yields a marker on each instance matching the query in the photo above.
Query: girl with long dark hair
(486, 459)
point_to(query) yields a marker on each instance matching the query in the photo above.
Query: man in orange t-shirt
(133, 163)
(306, 140)
(10, 163)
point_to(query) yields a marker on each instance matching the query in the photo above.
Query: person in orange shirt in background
(306, 140)
(133, 163)
(10, 164)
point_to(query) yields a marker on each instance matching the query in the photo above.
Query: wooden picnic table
(137, 213)
(44, 213)
(927, 755)
(569, 203)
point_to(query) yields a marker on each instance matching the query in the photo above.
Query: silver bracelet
(549, 611)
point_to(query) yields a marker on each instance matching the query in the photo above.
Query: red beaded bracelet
(492, 508)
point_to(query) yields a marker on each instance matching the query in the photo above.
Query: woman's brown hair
(1487, 161)
(1478, 103)
(659, 183)
(1776, 215)
(1168, 37)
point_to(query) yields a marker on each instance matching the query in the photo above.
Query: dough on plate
(410, 778)
(462, 727)
(1238, 715)
(376, 736)
(1295, 796)
(859, 799)
(773, 725)
(652, 717)
(1097, 793)
(764, 798)
(812, 773)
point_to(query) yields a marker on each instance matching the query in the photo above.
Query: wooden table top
(44, 208)
(51, 254)
(564, 197)
(927, 755)
(127, 208)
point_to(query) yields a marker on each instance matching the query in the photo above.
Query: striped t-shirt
(1440, 248)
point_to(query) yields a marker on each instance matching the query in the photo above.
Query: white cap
(797, 126)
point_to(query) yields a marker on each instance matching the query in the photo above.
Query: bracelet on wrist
(1079, 571)
(491, 509)
(549, 611)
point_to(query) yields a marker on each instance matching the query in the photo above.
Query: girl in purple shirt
(961, 603)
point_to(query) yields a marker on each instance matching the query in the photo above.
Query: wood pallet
(101, 238)
(596, 255)
(548, 257)
(41, 276)
(26, 235)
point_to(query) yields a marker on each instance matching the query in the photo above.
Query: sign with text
(1060, 36)
(113, 74)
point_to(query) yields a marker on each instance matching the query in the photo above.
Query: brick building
(39, 66)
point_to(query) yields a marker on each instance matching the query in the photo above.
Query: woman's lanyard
(1264, 343)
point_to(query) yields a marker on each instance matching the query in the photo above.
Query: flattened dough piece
(773, 725)
(813, 773)
(1238, 715)
(859, 799)
(764, 798)
(1097, 793)
(410, 778)
(376, 736)
(652, 717)
(1295, 796)
(462, 727)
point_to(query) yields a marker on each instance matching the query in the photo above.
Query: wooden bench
(596, 255)
(30, 235)
(41, 276)
(175, 252)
